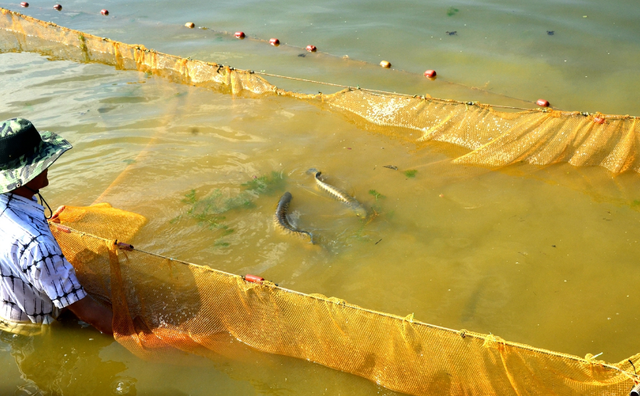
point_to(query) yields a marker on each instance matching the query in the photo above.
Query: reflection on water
(66, 361)
(544, 256)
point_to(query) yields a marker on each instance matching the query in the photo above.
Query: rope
(382, 92)
(301, 79)
(375, 90)
(223, 32)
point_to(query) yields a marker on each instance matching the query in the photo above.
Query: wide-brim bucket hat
(25, 152)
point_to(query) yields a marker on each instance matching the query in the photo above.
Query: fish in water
(280, 218)
(339, 194)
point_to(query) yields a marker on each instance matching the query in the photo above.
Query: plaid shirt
(36, 280)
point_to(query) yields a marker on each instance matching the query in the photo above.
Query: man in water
(36, 280)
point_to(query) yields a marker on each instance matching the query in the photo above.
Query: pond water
(542, 256)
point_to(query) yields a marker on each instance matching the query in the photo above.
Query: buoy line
(430, 74)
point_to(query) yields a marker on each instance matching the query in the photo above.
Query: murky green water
(544, 256)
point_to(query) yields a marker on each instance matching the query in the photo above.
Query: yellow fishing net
(162, 306)
(494, 137)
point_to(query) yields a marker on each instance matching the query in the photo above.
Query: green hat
(25, 153)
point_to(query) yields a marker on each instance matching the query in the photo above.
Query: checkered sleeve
(50, 273)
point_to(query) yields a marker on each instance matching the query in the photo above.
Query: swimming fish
(281, 221)
(339, 194)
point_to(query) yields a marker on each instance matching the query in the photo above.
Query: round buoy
(599, 120)
(385, 64)
(190, 25)
(274, 41)
(239, 35)
(542, 103)
(57, 7)
(24, 4)
(430, 73)
(311, 48)
(104, 12)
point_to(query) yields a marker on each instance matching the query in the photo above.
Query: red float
(275, 42)
(430, 73)
(104, 12)
(311, 48)
(542, 103)
(57, 7)
(599, 120)
(24, 4)
(64, 229)
(239, 35)
(253, 278)
(124, 246)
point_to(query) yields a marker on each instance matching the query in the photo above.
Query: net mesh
(495, 137)
(164, 306)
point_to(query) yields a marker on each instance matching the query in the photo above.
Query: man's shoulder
(23, 229)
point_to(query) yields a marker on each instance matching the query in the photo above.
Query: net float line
(495, 138)
(313, 48)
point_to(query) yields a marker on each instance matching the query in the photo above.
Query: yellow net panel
(496, 138)
(163, 305)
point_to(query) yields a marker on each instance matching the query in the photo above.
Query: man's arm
(97, 315)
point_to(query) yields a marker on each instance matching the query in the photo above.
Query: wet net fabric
(499, 138)
(164, 306)
(494, 137)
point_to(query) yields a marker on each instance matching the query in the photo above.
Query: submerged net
(494, 137)
(162, 306)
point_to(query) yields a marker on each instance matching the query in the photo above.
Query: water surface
(543, 256)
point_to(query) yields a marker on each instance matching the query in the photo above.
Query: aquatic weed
(410, 173)
(266, 184)
(210, 211)
(376, 194)
(190, 197)
(452, 11)
(241, 201)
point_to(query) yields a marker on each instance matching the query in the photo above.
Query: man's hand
(54, 217)
(97, 315)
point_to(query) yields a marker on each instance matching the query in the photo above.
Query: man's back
(36, 279)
